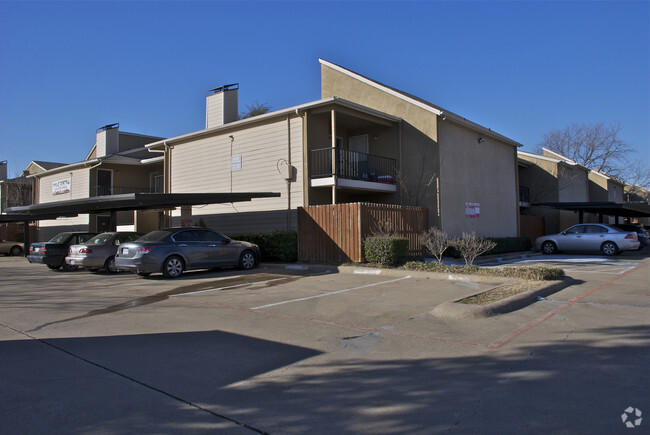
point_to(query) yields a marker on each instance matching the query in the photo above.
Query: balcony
(120, 190)
(352, 170)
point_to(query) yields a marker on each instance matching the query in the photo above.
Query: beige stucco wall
(419, 135)
(204, 165)
(474, 172)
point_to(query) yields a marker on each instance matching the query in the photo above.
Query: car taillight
(31, 249)
(631, 236)
(85, 250)
(43, 250)
(145, 250)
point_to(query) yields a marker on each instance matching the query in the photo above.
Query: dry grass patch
(501, 292)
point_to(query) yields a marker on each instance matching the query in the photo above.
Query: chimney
(3, 170)
(221, 105)
(107, 142)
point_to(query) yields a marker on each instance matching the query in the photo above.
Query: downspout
(290, 171)
(164, 217)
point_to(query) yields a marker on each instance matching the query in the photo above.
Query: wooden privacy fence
(335, 233)
(531, 227)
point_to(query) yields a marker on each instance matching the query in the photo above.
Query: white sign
(235, 162)
(61, 186)
(472, 209)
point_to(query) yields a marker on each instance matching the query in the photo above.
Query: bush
(385, 250)
(536, 273)
(471, 246)
(509, 244)
(276, 246)
(504, 245)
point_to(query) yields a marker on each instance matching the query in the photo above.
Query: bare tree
(436, 242)
(471, 246)
(595, 146)
(255, 109)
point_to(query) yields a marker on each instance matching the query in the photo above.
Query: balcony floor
(370, 186)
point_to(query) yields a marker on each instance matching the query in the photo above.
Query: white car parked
(589, 237)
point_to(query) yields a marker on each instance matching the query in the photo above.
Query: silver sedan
(174, 250)
(8, 247)
(99, 251)
(589, 237)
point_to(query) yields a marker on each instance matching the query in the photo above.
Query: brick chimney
(221, 105)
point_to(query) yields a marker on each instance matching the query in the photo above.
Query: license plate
(125, 251)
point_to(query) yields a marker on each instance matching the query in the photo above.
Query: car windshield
(99, 239)
(60, 238)
(154, 236)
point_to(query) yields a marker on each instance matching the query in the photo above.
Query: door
(593, 237)
(104, 182)
(571, 239)
(220, 252)
(358, 146)
(103, 224)
(191, 245)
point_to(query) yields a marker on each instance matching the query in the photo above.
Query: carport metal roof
(627, 209)
(129, 201)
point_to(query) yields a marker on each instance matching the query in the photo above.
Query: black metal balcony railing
(119, 190)
(352, 165)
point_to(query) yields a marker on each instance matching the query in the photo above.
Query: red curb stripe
(517, 332)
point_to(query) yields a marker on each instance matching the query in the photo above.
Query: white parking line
(329, 293)
(228, 287)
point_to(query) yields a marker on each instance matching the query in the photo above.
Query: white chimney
(107, 141)
(221, 105)
(3, 170)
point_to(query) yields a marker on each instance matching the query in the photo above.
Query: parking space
(310, 349)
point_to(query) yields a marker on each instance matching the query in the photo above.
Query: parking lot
(314, 349)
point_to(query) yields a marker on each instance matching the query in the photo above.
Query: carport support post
(581, 216)
(25, 238)
(113, 221)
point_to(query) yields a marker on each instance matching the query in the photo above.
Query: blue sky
(521, 68)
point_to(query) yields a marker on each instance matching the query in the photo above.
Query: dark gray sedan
(99, 252)
(174, 250)
(589, 237)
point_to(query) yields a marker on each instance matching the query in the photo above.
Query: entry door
(104, 182)
(359, 156)
(103, 224)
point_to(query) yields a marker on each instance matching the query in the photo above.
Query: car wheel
(16, 251)
(54, 267)
(549, 247)
(247, 260)
(109, 266)
(609, 248)
(143, 273)
(172, 267)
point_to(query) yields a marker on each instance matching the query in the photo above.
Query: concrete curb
(455, 310)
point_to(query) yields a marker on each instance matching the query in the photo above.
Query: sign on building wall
(61, 186)
(472, 209)
(235, 162)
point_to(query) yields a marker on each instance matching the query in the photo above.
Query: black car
(53, 253)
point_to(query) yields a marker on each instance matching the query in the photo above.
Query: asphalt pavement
(316, 350)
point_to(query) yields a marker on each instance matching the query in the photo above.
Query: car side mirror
(225, 242)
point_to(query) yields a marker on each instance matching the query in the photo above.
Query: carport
(626, 210)
(114, 203)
